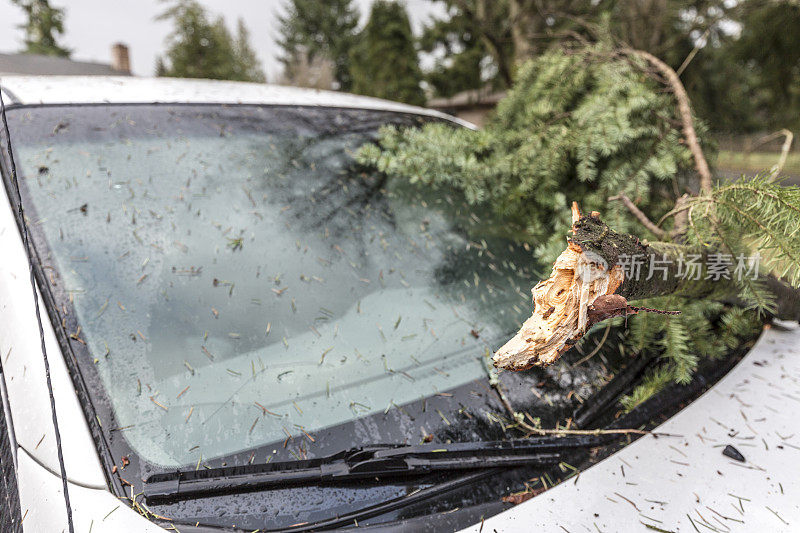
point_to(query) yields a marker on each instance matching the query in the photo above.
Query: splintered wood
(563, 308)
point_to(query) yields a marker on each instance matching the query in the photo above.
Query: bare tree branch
(681, 216)
(685, 112)
(693, 52)
(640, 216)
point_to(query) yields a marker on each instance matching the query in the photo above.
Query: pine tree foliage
(384, 62)
(704, 329)
(581, 126)
(200, 48)
(587, 125)
(752, 213)
(654, 382)
(45, 23)
(752, 218)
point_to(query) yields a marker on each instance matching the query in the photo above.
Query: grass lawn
(752, 162)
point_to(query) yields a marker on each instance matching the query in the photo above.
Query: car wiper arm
(375, 461)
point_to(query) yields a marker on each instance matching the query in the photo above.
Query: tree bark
(594, 279)
(522, 25)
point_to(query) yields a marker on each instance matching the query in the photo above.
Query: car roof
(33, 90)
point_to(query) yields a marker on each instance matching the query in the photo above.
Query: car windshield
(237, 278)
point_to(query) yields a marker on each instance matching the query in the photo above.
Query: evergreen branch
(786, 249)
(676, 348)
(749, 187)
(655, 381)
(752, 293)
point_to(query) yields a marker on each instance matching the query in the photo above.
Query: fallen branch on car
(588, 284)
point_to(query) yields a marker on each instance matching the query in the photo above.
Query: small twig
(600, 432)
(596, 348)
(495, 384)
(635, 211)
(519, 419)
(682, 205)
(656, 311)
(692, 53)
(788, 137)
(576, 212)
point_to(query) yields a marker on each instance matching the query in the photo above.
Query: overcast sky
(92, 26)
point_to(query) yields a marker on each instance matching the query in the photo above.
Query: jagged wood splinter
(587, 285)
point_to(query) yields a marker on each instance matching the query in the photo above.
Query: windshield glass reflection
(238, 279)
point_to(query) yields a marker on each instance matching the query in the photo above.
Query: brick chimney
(120, 59)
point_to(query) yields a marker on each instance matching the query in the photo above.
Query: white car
(248, 331)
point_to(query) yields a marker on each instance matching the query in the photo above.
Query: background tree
(744, 69)
(512, 31)
(384, 63)
(312, 31)
(161, 68)
(45, 23)
(198, 48)
(246, 63)
(463, 52)
(767, 55)
(667, 29)
(474, 35)
(314, 73)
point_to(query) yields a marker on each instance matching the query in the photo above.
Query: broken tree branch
(596, 349)
(693, 53)
(588, 284)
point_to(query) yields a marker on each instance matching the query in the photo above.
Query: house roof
(34, 64)
(473, 98)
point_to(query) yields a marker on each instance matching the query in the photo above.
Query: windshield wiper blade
(375, 461)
